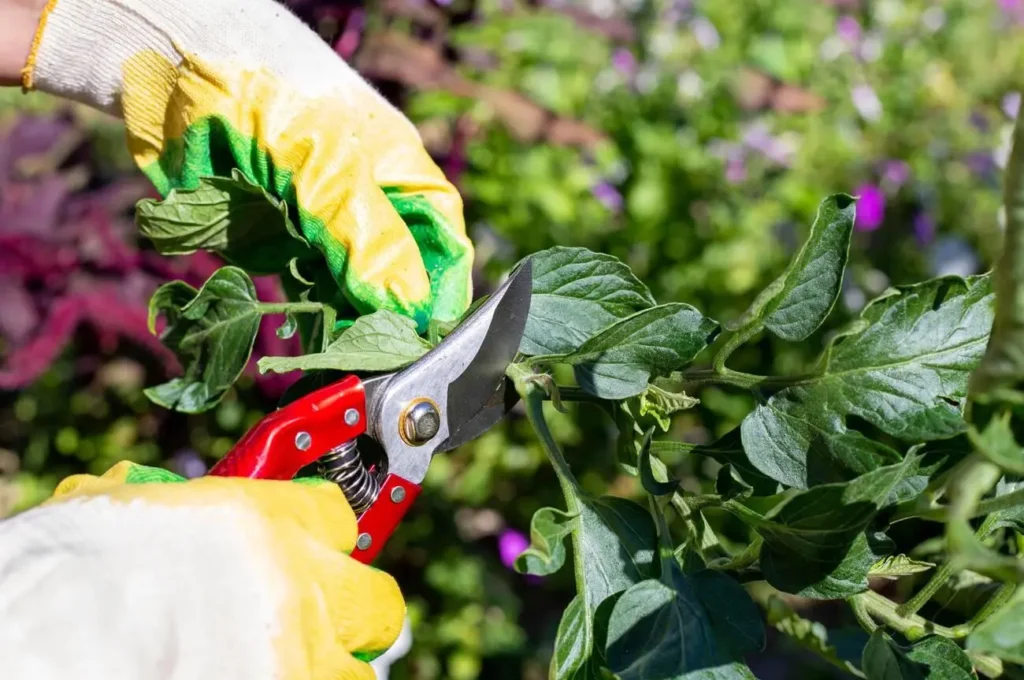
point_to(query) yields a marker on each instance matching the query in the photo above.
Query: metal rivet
(303, 441)
(351, 417)
(397, 494)
(364, 541)
(420, 422)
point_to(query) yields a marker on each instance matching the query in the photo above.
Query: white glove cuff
(82, 47)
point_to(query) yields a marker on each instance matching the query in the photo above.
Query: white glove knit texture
(96, 590)
(83, 46)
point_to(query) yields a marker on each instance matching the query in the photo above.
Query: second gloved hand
(142, 574)
(210, 86)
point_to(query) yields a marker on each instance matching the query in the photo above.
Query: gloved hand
(207, 86)
(142, 574)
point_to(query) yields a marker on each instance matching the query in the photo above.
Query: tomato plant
(906, 416)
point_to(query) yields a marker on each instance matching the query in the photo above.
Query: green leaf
(728, 450)
(232, 216)
(212, 332)
(661, 404)
(998, 444)
(636, 415)
(576, 294)
(294, 268)
(546, 553)
(729, 484)
(382, 341)
(903, 367)
(620, 361)
(287, 329)
(1002, 633)
(1012, 517)
(614, 542)
(579, 644)
(797, 303)
(895, 566)
(650, 482)
(815, 543)
(661, 630)
(733, 614)
(572, 643)
(810, 635)
(933, 658)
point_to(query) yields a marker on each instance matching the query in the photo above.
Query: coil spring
(344, 467)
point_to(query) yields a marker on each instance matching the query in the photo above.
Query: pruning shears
(449, 396)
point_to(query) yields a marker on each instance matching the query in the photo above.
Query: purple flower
(897, 173)
(980, 163)
(608, 195)
(624, 62)
(870, 207)
(735, 170)
(848, 29)
(758, 137)
(511, 544)
(1013, 9)
(924, 228)
(706, 34)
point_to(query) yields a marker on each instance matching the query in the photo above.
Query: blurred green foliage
(725, 124)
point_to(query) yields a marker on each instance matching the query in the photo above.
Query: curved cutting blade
(464, 376)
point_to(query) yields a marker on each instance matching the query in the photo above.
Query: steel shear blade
(451, 395)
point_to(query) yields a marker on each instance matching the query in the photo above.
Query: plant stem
(294, 307)
(687, 379)
(998, 599)
(939, 578)
(572, 394)
(870, 605)
(927, 592)
(985, 507)
(533, 398)
(734, 343)
(1004, 502)
(665, 551)
(688, 509)
(741, 561)
(687, 505)
(860, 612)
(727, 376)
(912, 627)
(668, 446)
(990, 666)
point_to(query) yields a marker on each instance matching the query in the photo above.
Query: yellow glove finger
(207, 87)
(334, 614)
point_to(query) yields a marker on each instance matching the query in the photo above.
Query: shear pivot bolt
(420, 423)
(351, 417)
(303, 441)
(397, 494)
(364, 541)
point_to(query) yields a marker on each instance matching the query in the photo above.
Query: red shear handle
(379, 521)
(287, 440)
(290, 438)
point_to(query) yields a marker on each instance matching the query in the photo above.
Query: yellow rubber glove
(142, 574)
(210, 86)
